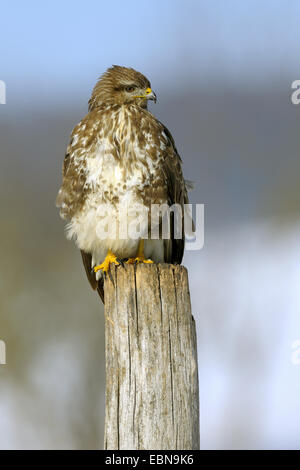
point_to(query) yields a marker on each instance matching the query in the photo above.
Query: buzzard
(120, 155)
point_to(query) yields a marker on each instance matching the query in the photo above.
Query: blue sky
(46, 45)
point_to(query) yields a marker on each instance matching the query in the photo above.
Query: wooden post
(151, 360)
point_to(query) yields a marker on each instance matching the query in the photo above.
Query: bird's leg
(110, 258)
(140, 257)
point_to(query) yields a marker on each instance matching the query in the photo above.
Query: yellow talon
(110, 258)
(140, 258)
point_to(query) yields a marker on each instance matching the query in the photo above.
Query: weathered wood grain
(151, 360)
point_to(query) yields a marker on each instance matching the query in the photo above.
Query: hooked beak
(150, 95)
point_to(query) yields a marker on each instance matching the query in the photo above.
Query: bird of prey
(119, 154)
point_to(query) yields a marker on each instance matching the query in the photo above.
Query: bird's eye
(130, 88)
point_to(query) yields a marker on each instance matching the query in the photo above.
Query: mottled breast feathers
(135, 140)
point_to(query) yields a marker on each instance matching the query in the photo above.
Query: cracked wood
(151, 360)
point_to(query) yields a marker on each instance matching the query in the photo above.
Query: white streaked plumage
(120, 155)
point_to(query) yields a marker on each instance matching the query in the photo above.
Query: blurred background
(222, 72)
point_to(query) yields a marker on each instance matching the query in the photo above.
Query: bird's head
(121, 85)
